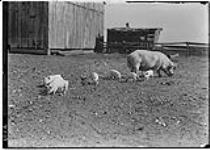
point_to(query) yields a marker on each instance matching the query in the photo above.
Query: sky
(180, 22)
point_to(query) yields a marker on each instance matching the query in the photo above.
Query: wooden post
(48, 51)
(47, 28)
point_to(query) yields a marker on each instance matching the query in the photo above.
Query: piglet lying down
(148, 74)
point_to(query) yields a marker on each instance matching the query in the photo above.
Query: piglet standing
(95, 78)
(114, 74)
(47, 80)
(58, 85)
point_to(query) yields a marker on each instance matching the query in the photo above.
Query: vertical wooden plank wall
(74, 25)
(45, 27)
(63, 25)
(5, 26)
(12, 25)
(27, 25)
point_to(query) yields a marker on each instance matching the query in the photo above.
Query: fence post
(48, 51)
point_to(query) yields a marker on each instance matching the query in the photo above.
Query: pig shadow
(42, 90)
(41, 86)
(125, 80)
(168, 83)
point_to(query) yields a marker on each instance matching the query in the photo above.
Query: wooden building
(51, 25)
(125, 40)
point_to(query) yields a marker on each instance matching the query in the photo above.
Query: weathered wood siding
(54, 25)
(27, 24)
(75, 25)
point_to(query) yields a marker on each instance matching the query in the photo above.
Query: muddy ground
(159, 112)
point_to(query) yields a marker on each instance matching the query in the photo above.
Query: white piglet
(47, 80)
(114, 74)
(134, 76)
(95, 78)
(58, 85)
(148, 74)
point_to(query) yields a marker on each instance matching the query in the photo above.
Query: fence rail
(187, 48)
(183, 44)
(124, 47)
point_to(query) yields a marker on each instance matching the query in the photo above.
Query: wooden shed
(51, 25)
(128, 39)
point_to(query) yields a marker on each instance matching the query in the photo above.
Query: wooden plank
(24, 26)
(30, 28)
(36, 25)
(14, 24)
(19, 25)
(76, 27)
(70, 25)
(46, 23)
(32, 15)
(28, 51)
(60, 25)
(172, 43)
(52, 24)
(59, 19)
(41, 31)
(80, 25)
(10, 14)
(195, 43)
(27, 21)
(5, 26)
(65, 27)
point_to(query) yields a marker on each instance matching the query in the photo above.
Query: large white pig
(144, 60)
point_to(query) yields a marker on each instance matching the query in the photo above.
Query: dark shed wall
(27, 24)
(5, 26)
(128, 39)
(74, 25)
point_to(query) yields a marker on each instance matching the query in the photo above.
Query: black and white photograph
(105, 74)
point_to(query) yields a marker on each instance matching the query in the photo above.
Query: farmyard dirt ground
(160, 112)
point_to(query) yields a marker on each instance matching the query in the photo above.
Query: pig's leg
(158, 72)
(166, 72)
(64, 89)
(135, 68)
(51, 90)
(135, 71)
(54, 90)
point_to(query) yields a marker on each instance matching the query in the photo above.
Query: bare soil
(159, 112)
